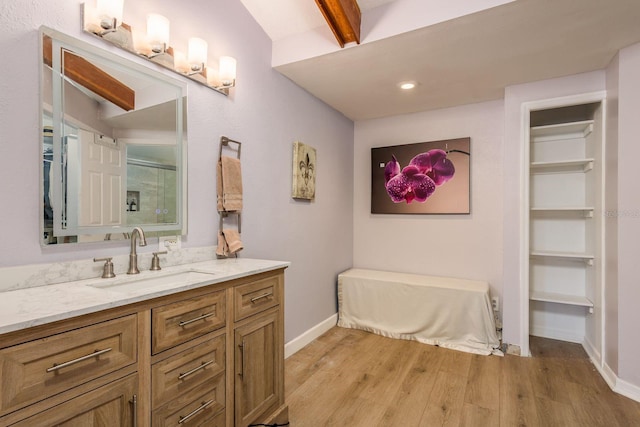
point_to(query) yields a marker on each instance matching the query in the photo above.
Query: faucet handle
(155, 261)
(107, 270)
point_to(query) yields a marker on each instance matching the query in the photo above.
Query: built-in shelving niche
(564, 196)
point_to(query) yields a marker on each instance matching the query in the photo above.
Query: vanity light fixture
(109, 12)
(105, 21)
(197, 55)
(157, 33)
(227, 71)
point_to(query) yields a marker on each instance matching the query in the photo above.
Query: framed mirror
(113, 145)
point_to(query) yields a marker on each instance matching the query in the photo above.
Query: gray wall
(464, 246)
(611, 325)
(628, 216)
(266, 112)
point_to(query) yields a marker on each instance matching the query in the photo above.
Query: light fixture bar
(154, 46)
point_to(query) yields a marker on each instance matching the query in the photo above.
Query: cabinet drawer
(179, 322)
(112, 405)
(38, 369)
(176, 375)
(256, 296)
(198, 407)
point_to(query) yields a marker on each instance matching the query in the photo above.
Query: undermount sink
(153, 280)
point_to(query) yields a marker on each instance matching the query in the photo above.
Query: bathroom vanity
(199, 344)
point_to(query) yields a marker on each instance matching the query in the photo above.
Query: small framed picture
(304, 171)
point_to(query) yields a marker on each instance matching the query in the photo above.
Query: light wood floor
(353, 378)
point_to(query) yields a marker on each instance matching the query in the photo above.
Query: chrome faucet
(133, 256)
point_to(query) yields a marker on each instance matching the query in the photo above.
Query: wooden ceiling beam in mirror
(93, 78)
(343, 17)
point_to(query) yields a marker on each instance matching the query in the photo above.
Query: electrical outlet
(495, 303)
(168, 243)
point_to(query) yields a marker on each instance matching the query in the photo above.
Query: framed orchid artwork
(422, 178)
(304, 171)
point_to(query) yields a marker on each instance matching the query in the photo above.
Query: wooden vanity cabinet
(212, 356)
(258, 349)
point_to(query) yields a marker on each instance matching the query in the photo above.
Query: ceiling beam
(343, 17)
(93, 78)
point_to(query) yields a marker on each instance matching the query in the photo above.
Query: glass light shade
(227, 70)
(157, 32)
(197, 55)
(109, 11)
(181, 63)
(213, 77)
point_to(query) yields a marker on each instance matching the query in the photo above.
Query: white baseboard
(592, 351)
(556, 334)
(301, 341)
(616, 384)
(628, 389)
(609, 376)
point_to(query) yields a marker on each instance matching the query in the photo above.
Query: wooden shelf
(576, 165)
(560, 298)
(587, 258)
(562, 131)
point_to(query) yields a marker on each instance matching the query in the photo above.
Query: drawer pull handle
(96, 353)
(134, 409)
(204, 316)
(241, 347)
(259, 297)
(184, 419)
(194, 370)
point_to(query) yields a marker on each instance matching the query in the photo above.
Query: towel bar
(224, 141)
(224, 214)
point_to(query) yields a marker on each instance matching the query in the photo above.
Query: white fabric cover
(451, 313)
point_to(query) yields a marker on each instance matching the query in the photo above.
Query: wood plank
(144, 368)
(477, 416)
(343, 17)
(483, 383)
(91, 77)
(554, 413)
(456, 362)
(549, 380)
(517, 403)
(317, 355)
(546, 347)
(444, 407)
(411, 399)
(314, 401)
(365, 400)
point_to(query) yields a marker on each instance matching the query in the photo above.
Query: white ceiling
(460, 61)
(283, 18)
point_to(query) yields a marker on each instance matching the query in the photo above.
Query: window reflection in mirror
(112, 145)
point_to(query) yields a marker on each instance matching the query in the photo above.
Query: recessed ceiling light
(407, 85)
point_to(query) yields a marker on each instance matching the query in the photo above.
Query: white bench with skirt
(448, 312)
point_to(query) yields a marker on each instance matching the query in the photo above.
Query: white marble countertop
(24, 308)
